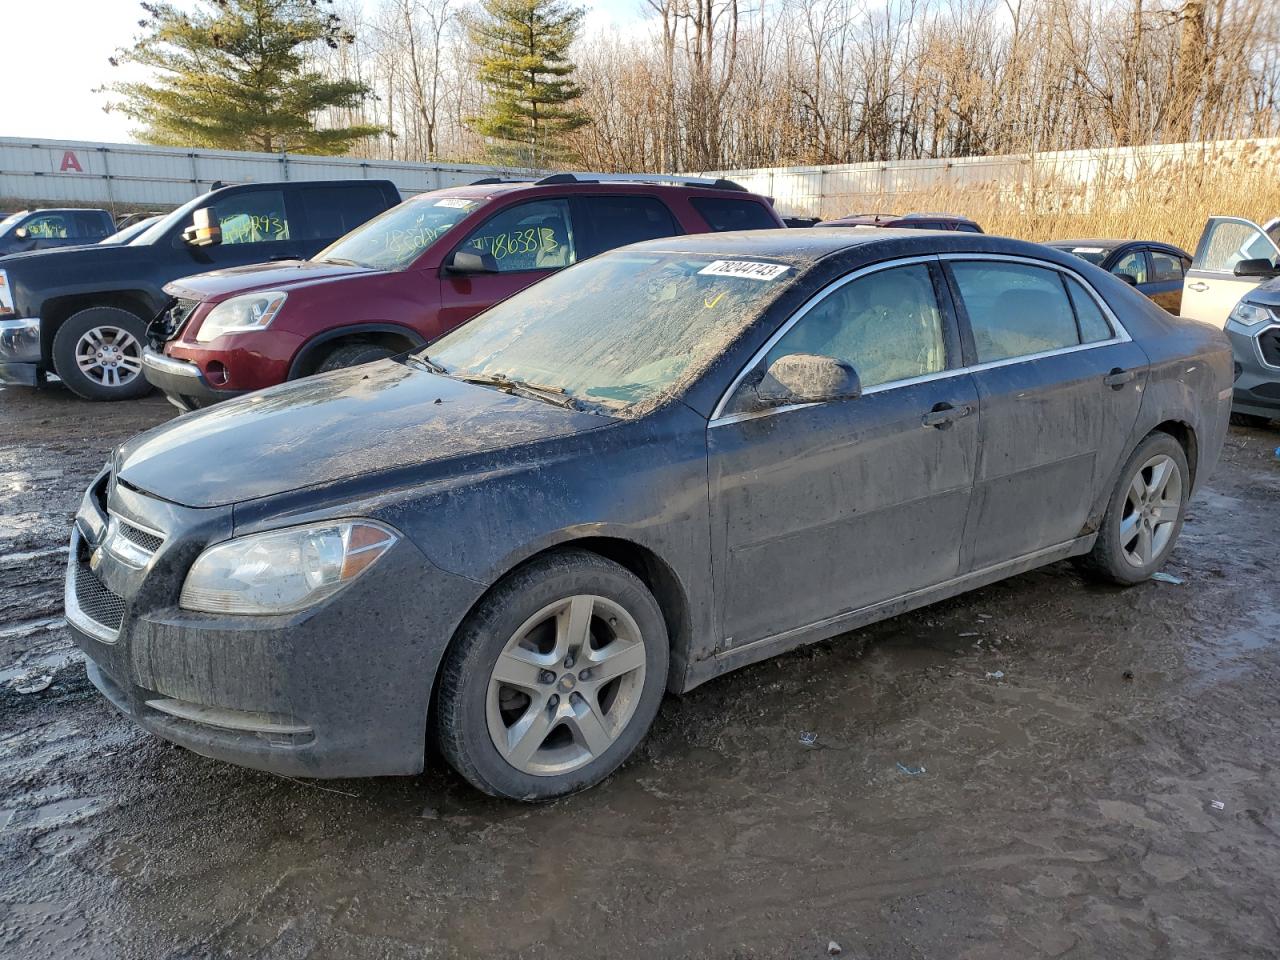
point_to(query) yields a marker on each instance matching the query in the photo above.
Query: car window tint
(258, 216)
(334, 211)
(1229, 242)
(1093, 323)
(724, 214)
(617, 221)
(1165, 266)
(1015, 310)
(528, 236)
(886, 325)
(1134, 264)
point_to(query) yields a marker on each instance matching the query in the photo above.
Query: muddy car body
(538, 561)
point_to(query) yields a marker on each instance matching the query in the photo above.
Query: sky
(61, 104)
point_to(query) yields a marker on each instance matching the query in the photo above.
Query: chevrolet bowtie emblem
(95, 559)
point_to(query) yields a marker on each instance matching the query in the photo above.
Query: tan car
(1233, 257)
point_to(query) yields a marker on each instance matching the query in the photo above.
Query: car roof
(485, 189)
(1113, 244)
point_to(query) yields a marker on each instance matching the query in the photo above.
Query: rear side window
(1165, 266)
(257, 216)
(335, 211)
(92, 226)
(619, 220)
(1093, 325)
(724, 214)
(1015, 310)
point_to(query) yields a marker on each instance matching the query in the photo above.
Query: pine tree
(234, 74)
(521, 53)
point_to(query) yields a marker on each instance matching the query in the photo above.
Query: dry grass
(1167, 201)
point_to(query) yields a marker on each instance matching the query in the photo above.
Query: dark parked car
(1156, 269)
(131, 231)
(663, 463)
(51, 229)
(1254, 329)
(406, 277)
(82, 313)
(910, 221)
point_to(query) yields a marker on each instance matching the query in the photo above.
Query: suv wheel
(554, 680)
(353, 354)
(1145, 513)
(98, 354)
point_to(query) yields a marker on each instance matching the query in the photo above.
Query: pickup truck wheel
(553, 681)
(98, 354)
(1144, 516)
(353, 354)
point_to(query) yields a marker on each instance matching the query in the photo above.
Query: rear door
(528, 241)
(1059, 384)
(1212, 289)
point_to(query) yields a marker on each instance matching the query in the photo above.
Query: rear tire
(97, 353)
(553, 681)
(1144, 515)
(354, 354)
(1250, 420)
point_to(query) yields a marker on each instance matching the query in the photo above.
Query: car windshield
(129, 234)
(620, 330)
(394, 239)
(1094, 255)
(160, 228)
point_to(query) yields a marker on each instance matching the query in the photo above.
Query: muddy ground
(1067, 808)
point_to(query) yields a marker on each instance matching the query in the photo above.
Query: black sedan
(661, 464)
(1155, 269)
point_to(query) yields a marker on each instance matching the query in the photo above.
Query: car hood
(122, 252)
(331, 427)
(278, 275)
(1268, 293)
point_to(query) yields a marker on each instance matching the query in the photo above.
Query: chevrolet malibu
(661, 464)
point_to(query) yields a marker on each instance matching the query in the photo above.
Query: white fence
(836, 190)
(106, 174)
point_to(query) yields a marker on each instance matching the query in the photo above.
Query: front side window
(50, 226)
(537, 235)
(886, 325)
(725, 214)
(255, 217)
(1165, 266)
(1229, 242)
(1015, 310)
(1134, 264)
(616, 330)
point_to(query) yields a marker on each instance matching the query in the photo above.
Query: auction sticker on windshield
(746, 269)
(458, 203)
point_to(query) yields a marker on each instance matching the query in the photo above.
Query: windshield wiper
(342, 262)
(423, 360)
(536, 391)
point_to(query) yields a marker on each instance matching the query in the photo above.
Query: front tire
(554, 680)
(1145, 513)
(97, 353)
(354, 354)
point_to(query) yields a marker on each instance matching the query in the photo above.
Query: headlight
(6, 295)
(1247, 314)
(283, 571)
(243, 314)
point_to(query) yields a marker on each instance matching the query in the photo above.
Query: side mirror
(203, 232)
(21, 233)
(1128, 278)
(471, 261)
(1261, 267)
(807, 378)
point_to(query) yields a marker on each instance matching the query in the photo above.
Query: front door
(1212, 289)
(1058, 389)
(825, 508)
(527, 241)
(255, 227)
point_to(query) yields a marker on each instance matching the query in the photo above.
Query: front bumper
(20, 351)
(1257, 383)
(339, 690)
(181, 381)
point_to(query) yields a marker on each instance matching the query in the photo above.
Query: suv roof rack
(486, 181)
(931, 216)
(709, 183)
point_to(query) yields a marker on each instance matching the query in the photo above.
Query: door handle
(1199, 286)
(944, 414)
(1117, 378)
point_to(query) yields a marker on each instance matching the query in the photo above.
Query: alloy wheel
(110, 356)
(566, 685)
(1153, 503)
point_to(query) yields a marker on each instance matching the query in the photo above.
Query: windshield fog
(394, 239)
(618, 329)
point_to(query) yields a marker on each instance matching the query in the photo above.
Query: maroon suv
(407, 276)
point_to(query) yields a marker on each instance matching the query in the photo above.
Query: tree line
(721, 84)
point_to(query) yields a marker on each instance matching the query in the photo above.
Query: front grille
(1269, 343)
(94, 599)
(147, 541)
(169, 322)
